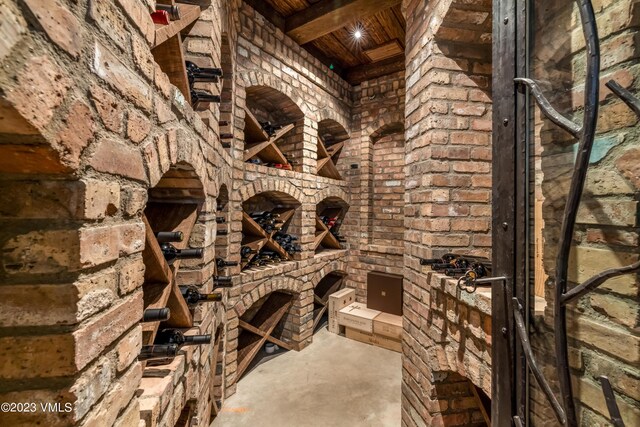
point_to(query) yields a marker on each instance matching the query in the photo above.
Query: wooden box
(338, 301)
(374, 339)
(388, 325)
(357, 316)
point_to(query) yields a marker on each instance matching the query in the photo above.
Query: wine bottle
(226, 145)
(174, 336)
(192, 295)
(222, 232)
(169, 236)
(172, 10)
(171, 253)
(220, 220)
(245, 251)
(198, 97)
(156, 314)
(223, 123)
(226, 136)
(222, 281)
(446, 258)
(221, 263)
(202, 72)
(164, 351)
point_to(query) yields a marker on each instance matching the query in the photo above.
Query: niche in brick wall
(271, 226)
(329, 284)
(386, 187)
(169, 53)
(265, 321)
(273, 129)
(331, 139)
(330, 215)
(173, 206)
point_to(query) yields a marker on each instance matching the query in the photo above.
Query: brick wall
(89, 124)
(447, 205)
(377, 147)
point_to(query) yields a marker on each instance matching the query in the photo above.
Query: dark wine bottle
(226, 145)
(221, 263)
(164, 351)
(226, 136)
(174, 336)
(222, 232)
(198, 97)
(221, 219)
(171, 253)
(223, 123)
(222, 281)
(172, 10)
(202, 71)
(192, 296)
(245, 251)
(156, 314)
(169, 236)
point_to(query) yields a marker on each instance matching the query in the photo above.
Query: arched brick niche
(284, 298)
(267, 104)
(330, 216)
(287, 214)
(386, 188)
(332, 136)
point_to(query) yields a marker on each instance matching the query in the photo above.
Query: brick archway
(270, 185)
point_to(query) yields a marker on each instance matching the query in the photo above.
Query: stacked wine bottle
(455, 265)
(168, 341)
(271, 223)
(333, 224)
(197, 74)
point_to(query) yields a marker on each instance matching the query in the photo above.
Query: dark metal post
(509, 185)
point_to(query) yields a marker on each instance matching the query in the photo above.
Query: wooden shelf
(257, 331)
(259, 144)
(327, 286)
(188, 15)
(215, 351)
(160, 288)
(327, 158)
(170, 57)
(324, 236)
(257, 238)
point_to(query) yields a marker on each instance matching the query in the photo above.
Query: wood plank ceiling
(326, 29)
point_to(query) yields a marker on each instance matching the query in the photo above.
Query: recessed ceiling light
(357, 34)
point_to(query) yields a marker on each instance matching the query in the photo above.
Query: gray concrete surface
(335, 382)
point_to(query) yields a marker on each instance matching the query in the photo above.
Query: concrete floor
(334, 382)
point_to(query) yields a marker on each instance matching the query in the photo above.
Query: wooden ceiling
(326, 27)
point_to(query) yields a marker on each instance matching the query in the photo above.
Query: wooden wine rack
(327, 159)
(324, 238)
(328, 285)
(259, 144)
(257, 239)
(258, 330)
(160, 288)
(168, 47)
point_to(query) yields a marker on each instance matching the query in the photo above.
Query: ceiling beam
(358, 74)
(327, 16)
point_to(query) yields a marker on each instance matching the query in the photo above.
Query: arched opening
(328, 285)
(330, 215)
(265, 321)
(271, 229)
(386, 187)
(331, 139)
(273, 129)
